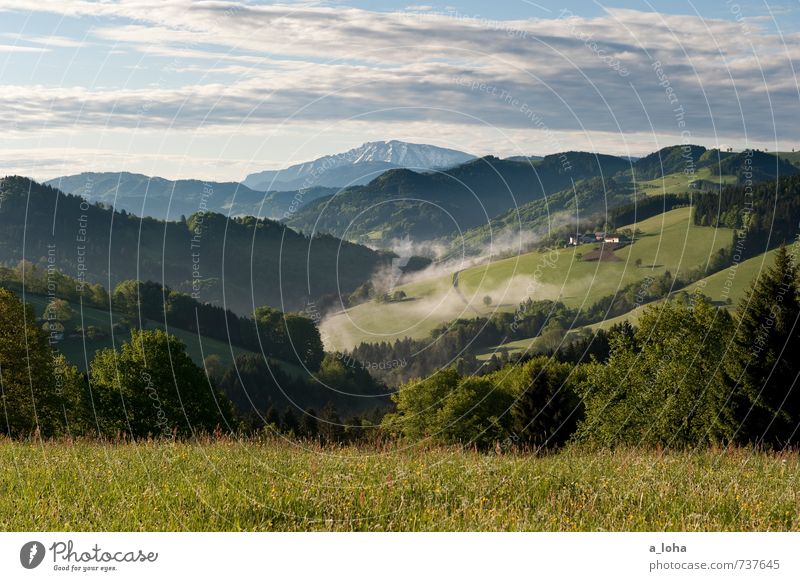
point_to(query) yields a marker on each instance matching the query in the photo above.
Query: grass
(678, 183)
(669, 241)
(725, 288)
(792, 157)
(732, 282)
(278, 486)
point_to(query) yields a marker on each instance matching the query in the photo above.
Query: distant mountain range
(357, 166)
(164, 199)
(158, 197)
(456, 202)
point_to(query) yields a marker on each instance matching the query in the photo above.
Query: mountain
(519, 228)
(755, 166)
(524, 158)
(164, 199)
(357, 166)
(669, 160)
(433, 206)
(239, 263)
(158, 197)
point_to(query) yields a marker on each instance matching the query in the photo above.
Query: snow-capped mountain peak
(358, 165)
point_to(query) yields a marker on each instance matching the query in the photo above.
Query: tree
(309, 425)
(253, 385)
(487, 300)
(140, 300)
(547, 409)
(450, 409)
(58, 310)
(305, 340)
(638, 262)
(31, 398)
(76, 413)
(666, 385)
(150, 386)
(331, 428)
(273, 418)
(765, 367)
(552, 335)
(289, 422)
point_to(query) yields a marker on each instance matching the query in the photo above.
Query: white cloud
(243, 68)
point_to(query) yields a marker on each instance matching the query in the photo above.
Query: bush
(547, 409)
(666, 385)
(450, 409)
(152, 387)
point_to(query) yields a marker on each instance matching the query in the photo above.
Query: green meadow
(667, 242)
(271, 485)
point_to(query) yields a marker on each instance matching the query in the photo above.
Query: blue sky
(218, 89)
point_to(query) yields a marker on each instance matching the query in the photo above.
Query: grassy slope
(669, 242)
(677, 183)
(730, 283)
(276, 486)
(792, 157)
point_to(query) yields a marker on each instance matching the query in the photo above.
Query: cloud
(594, 82)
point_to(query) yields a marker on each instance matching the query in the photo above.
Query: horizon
(201, 178)
(194, 91)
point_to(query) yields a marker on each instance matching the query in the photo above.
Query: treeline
(150, 387)
(286, 336)
(690, 375)
(290, 337)
(766, 214)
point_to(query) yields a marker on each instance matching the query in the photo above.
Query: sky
(218, 89)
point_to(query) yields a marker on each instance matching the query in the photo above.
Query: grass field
(669, 241)
(726, 288)
(678, 183)
(277, 486)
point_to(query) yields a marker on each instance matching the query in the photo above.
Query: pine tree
(289, 422)
(766, 367)
(310, 426)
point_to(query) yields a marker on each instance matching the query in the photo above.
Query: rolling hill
(440, 205)
(667, 242)
(157, 197)
(238, 263)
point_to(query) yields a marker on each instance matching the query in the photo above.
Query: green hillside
(725, 288)
(667, 242)
(240, 263)
(439, 205)
(79, 351)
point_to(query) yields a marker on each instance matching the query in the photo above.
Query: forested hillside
(440, 204)
(238, 263)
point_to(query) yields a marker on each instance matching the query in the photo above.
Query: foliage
(766, 367)
(547, 409)
(664, 386)
(31, 397)
(151, 387)
(448, 408)
(767, 214)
